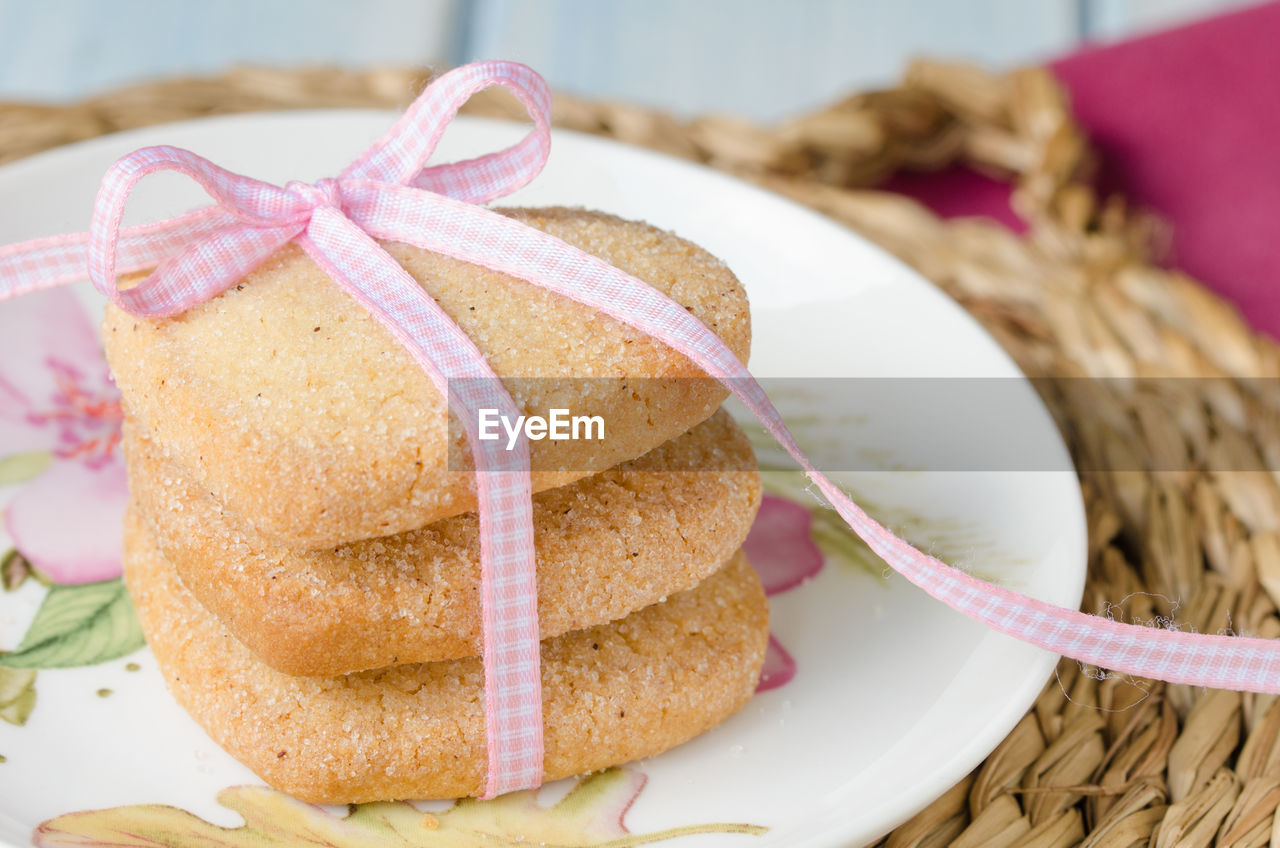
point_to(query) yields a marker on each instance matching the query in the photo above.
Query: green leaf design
(79, 625)
(17, 694)
(21, 467)
(590, 816)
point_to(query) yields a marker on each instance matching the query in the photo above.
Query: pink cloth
(1187, 122)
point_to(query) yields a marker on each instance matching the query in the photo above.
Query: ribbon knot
(389, 193)
(325, 192)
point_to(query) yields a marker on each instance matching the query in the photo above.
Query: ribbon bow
(389, 193)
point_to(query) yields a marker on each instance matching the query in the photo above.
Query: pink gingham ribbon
(389, 193)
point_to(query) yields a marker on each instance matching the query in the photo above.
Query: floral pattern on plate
(60, 427)
(592, 814)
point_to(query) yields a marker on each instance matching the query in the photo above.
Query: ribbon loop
(269, 216)
(401, 154)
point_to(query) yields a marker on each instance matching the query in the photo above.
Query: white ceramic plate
(896, 697)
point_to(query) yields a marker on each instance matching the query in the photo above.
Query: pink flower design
(781, 547)
(779, 666)
(57, 398)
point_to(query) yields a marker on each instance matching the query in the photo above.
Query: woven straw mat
(1174, 511)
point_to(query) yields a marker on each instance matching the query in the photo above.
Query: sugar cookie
(611, 694)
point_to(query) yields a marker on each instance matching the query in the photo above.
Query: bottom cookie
(611, 694)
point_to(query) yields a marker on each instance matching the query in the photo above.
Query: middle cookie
(607, 545)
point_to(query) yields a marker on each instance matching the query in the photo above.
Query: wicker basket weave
(1174, 511)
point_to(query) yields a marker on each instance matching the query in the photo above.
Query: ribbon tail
(486, 238)
(43, 264)
(58, 260)
(512, 656)
(1220, 662)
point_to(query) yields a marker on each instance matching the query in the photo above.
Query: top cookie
(313, 427)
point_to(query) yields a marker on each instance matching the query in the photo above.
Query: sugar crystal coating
(611, 693)
(312, 426)
(607, 545)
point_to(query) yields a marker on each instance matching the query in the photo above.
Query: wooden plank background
(760, 59)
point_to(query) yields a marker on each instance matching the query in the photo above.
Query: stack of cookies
(303, 550)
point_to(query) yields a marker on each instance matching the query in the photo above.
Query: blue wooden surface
(58, 49)
(762, 59)
(759, 58)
